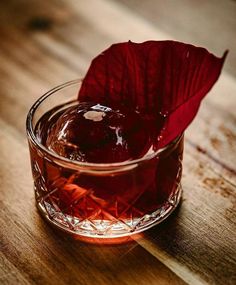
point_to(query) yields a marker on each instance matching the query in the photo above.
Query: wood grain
(45, 43)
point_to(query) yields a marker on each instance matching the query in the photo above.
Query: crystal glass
(100, 200)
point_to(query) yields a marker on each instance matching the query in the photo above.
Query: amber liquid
(71, 196)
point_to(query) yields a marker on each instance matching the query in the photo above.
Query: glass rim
(77, 164)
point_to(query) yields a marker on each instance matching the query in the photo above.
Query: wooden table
(45, 43)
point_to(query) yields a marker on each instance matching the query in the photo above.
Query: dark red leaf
(164, 80)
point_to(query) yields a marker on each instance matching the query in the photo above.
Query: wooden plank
(200, 237)
(9, 274)
(36, 61)
(214, 134)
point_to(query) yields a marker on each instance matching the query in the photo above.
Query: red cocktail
(96, 169)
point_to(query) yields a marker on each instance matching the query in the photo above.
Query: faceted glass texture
(101, 200)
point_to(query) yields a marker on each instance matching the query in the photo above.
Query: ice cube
(91, 132)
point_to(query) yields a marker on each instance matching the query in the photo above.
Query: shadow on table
(123, 263)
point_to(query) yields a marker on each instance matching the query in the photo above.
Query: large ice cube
(91, 132)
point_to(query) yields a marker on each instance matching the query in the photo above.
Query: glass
(100, 200)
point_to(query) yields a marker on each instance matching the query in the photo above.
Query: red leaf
(164, 80)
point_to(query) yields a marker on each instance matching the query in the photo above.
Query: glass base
(112, 228)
